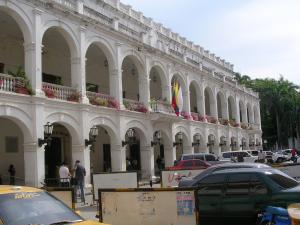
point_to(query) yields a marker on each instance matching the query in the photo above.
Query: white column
(118, 158)
(237, 113)
(170, 154)
(147, 161)
(78, 67)
(79, 6)
(115, 82)
(82, 153)
(186, 101)
(34, 163)
(144, 90)
(214, 105)
(33, 56)
(166, 92)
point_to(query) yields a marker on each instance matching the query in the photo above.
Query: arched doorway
(193, 98)
(221, 105)
(181, 141)
(211, 144)
(223, 143)
(231, 109)
(133, 154)
(59, 151)
(11, 150)
(198, 143)
(101, 152)
(209, 102)
(243, 144)
(243, 116)
(159, 150)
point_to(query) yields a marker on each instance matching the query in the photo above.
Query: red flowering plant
(224, 122)
(185, 115)
(202, 118)
(49, 92)
(74, 97)
(113, 103)
(195, 116)
(141, 108)
(211, 119)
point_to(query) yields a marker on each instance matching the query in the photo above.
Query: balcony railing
(102, 100)
(223, 121)
(61, 92)
(133, 105)
(162, 107)
(12, 84)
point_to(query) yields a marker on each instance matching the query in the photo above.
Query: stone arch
(209, 101)
(221, 105)
(67, 121)
(141, 128)
(19, 15)
(202, 146)
(66, 31)
(20, 118)
(109, 125)
(106, 47)
(137, 60)
(232, 112)
(162, 82)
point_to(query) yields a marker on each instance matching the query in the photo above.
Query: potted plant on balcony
(49, 92)
(195, 116)
(101, 102)
(141, 108)
(74, 97)
(113, 103)
(22, 85)
(185, 115)
(202, 118)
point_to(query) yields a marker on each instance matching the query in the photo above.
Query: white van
(208, 157)
(233, 154)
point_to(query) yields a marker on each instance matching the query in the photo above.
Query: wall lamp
(92, 136)
(211, 141)
(130, 135)
(179, 138)
(48, 129)
(197, 140)
(223, 141)
(157, 136)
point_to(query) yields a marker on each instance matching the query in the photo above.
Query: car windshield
(34, 208)
(283, 181)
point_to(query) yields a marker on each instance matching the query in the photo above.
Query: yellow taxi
(32, 206)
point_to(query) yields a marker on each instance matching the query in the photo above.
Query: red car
(190, 164)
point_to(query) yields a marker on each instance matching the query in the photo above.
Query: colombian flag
(175, 91)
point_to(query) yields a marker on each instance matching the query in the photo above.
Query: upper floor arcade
(53, 56)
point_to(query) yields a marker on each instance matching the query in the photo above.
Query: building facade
(78, 64)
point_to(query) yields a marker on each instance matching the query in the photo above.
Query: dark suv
(236, 196)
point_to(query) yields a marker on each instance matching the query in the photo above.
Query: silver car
(192, 181)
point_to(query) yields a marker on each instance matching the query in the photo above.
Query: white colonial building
(100, 63)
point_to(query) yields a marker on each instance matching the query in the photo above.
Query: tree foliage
(280, 108)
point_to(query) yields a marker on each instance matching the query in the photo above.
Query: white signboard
(114, 180)
(170, 178)
(153, 207)
(292, 170)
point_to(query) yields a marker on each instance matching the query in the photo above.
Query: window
(283, 181)
(199, 157)
(185, 157)
(238, 184)
(245, 154)
(227, 155)
(199, 163)
(210, 158)
(211, 185)
(257, 186)
(188, 163)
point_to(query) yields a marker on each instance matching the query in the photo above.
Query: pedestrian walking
(12, 174)
(80, 173)
(64, 175)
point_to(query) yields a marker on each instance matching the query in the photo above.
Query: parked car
(208, 157)
(239, 195)
(26, 205)
(280, 157)
(233, 154)
(192, 181)
(190, 164)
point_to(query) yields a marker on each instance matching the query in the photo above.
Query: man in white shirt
(64, 175)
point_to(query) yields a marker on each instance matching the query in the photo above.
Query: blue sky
(260, 37)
